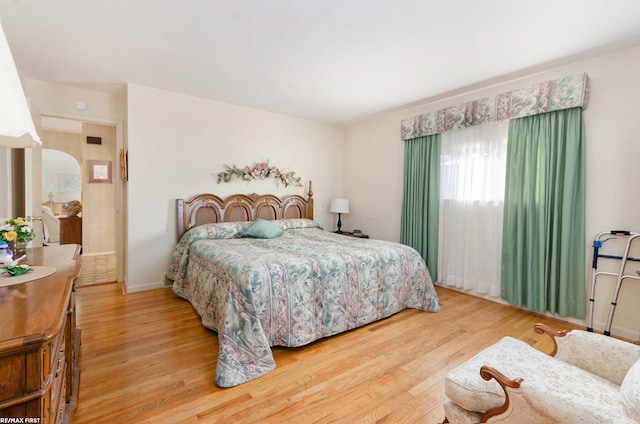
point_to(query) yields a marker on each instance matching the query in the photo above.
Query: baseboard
(617, 331)
(100, 253)
(146, 286)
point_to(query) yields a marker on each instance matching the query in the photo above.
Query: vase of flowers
(17, 233)
(72, 208)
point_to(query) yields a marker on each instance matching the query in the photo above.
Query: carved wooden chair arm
(553, 333)
(488, 373)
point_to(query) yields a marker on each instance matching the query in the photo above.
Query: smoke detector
(80, 105)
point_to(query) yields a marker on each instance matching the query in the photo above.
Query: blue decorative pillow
(263, 229)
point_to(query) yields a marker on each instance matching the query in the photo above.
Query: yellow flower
(10, 235)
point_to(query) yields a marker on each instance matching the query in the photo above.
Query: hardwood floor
(145, 358)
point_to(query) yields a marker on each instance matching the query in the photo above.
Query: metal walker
(598, 243)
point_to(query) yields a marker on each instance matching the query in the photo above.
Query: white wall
(177, 144)
(613, 167)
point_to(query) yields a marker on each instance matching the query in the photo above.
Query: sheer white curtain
(472, 174)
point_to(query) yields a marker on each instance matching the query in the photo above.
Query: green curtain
(421, 198)
(543, 247)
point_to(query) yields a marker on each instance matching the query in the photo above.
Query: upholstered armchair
(51, 226)
(588, 378)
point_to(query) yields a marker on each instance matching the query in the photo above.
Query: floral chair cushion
(630, 392)
(606, 357)
(552, 388)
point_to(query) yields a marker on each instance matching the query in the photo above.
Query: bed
(258, 290)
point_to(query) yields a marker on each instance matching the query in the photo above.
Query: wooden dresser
(39, 341)
(71, 230)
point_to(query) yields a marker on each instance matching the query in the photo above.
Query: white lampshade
(16, 125)
(339, 206)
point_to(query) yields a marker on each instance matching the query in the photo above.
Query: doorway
(88, 143)
(61, 183)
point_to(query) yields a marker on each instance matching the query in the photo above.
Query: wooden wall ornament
(124, 165)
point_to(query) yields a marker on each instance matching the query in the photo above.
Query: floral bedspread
(290, 290)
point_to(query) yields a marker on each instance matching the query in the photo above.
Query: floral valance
(562, 93)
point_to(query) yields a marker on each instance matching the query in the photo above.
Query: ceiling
(334, 61)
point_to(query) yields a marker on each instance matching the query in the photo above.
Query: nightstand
(346, 233)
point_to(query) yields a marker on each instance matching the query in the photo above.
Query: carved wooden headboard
(209, 208)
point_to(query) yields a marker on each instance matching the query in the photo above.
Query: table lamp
(339, 206)
(16, 126)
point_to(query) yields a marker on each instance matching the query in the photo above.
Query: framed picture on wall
(68, 183)
(99, 171)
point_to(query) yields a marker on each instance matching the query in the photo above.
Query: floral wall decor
(258, 171)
